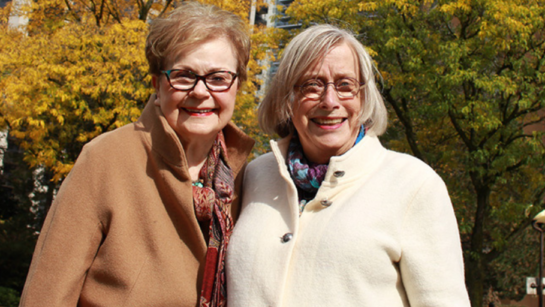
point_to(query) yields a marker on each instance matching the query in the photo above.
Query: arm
(68, 243)
(431, 264)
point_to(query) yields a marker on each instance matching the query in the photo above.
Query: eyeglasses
(345, 88)
(185, 80)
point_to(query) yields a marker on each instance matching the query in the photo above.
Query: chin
(334, 147)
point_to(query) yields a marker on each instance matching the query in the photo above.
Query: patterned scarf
(212, 201)
(307, 175)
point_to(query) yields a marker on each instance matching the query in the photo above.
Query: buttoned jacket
(381, 231)
(122, 230)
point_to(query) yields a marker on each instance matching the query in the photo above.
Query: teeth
(200, 111)
(323, 121)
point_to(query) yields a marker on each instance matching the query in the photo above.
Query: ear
(155, 82)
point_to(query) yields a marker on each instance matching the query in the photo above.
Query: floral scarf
(307, 175)
(212, 199)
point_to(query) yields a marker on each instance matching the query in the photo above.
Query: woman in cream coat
(330, 217)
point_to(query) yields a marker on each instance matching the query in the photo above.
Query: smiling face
(328, 126)
(198, 114)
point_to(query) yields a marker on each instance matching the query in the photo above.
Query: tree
(81, 71)
(464, 81)
(17, 238)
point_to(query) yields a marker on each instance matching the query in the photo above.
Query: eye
(345, 85)
(312, 85)
(219, 78)
(181, 75)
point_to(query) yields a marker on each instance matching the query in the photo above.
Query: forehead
(214, 52)
(339, 61)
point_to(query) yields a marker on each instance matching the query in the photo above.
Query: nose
(200, 91)
(330, 100)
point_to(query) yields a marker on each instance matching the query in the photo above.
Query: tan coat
(122, 230)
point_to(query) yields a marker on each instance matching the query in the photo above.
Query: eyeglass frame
(199, 77)
(334, 83)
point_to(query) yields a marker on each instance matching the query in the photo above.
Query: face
(328, 126)
(198, 114)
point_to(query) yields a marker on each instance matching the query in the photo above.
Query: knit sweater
(122, 230)
(381, 231)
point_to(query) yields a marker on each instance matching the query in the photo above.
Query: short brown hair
(302, 53)
(193, 23)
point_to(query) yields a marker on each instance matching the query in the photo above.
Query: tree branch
(407, 125)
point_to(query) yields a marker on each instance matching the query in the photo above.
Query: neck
(322, 158)
(196, 151)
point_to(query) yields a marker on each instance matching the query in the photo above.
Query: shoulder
(422, 186)
(112, 153)
(114, 140)
(121, 143)
(388, 164)
(266, 159)
(265, 164)
(407, 163)
(406, 173)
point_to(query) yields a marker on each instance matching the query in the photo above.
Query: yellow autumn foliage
(78, 69)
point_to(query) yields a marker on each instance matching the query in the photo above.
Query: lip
(199, 111)
(328, 123)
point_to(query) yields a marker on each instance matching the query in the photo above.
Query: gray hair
(302, 53)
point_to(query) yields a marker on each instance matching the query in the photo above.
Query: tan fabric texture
(122, 230)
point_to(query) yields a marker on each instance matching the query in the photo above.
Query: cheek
(302, 110)
(298, 117)
(170, 100)
(227, 102)
(355, 109)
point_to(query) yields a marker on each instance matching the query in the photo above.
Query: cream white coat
(389, 236)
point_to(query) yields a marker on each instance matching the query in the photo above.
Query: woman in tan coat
(145, 215)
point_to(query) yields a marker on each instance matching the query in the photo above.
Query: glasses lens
(182, 79)
(312, 88)
(346, 87)
(219, 81)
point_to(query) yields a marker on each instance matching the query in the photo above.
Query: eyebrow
(318, 77)
(207, 71)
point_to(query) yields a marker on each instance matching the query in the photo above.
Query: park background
(463, 81)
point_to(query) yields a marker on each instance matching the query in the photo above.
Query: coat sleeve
(68, 242)
(431, 264)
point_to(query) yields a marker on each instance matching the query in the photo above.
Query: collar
(357, 162)
(164, 141)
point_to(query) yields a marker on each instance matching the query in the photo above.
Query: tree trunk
(474, 266)
(474, 280)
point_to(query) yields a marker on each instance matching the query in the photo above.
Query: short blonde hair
(193, 23)
(303, 53)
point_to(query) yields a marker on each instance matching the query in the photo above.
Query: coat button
(338, 174)
(325, 202)
(285, 238)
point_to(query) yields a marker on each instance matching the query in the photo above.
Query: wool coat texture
(122, 230)
(381, 231)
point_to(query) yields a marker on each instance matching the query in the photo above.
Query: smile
(199, 112)
(328, 121)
